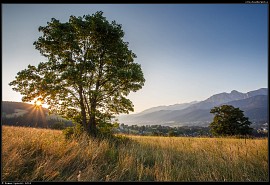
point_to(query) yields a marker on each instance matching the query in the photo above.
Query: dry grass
(208, 159)
(30, 154)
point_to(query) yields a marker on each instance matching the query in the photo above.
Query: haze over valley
(253, 103)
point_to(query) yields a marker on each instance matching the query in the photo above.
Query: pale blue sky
(187, 52)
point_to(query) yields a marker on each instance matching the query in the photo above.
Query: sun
(38, 103)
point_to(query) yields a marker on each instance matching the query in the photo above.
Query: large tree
(88, 73)
(229, 121)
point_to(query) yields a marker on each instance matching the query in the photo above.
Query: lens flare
(38, 103)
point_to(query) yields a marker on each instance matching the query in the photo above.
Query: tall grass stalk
(30, 154)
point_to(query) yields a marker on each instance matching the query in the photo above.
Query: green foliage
(58, 125)
(106, 128)
(73, 132)
(229, 121)
(171, 133)
(89, 73)
(162, 130)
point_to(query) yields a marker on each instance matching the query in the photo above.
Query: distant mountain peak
(234, 95)
(234, 91)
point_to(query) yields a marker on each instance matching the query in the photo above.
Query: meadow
(31, 154)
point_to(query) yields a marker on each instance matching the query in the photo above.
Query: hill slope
(24, 114)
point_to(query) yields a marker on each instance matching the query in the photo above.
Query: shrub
(73, 132)
(58, 125)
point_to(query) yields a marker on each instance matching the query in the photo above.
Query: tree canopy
(89, 72)
(229, 121)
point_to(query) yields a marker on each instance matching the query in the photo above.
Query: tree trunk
(83, 117)
(92, 122)
(92, 127)
(83, 112)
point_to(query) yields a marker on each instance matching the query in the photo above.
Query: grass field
(30, 154)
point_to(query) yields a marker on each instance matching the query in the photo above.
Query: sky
(187, 52)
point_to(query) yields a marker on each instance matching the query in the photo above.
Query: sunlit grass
(209, 159)
(30, 154)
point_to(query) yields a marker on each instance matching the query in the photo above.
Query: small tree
(229, 121)
(89, 73)
(172, 133)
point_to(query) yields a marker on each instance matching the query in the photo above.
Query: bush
(73, 132)
(171, 133)
(58, 126)
(106, 129)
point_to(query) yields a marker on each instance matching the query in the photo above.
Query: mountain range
(253, 103)
(196, 113)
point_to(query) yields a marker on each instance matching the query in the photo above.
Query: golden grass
(30, 154)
